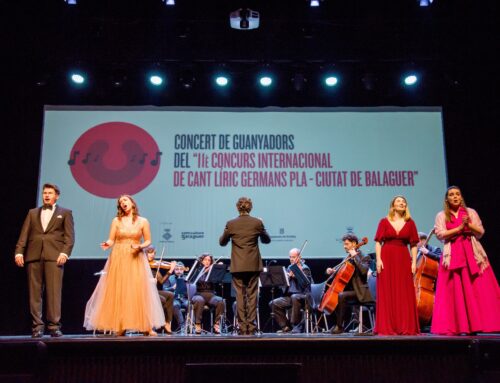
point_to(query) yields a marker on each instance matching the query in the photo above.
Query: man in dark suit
(294, 296)
(246, 262)
(45, 243)
(356, 291)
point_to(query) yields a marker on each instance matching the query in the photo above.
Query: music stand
(216, 275)
(275, 276)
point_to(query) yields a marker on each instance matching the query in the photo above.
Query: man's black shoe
(37, 334)
(56, 333)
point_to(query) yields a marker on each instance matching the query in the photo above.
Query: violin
(154, 264)
(342, 274)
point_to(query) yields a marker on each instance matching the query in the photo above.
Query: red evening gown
(396, 311)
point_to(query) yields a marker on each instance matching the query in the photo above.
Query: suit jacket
(59, 237)
(244, 233)
(358, 280)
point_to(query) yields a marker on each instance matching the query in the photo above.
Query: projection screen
(312, 173)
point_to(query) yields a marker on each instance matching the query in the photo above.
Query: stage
(287, 358)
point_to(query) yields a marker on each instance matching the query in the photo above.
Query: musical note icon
(86, 159)
(72, 160)
(157, 159)
(143, 159)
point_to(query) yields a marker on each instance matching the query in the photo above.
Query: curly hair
(244, 205)
(135, 210)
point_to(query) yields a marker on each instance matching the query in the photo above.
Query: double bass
(425, 284)
(342, 274)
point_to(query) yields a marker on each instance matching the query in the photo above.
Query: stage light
(156, 80)
(425, 3)
(169, 2)
(71, 2)
(410, 79)
(314, 3)
(331, 81)
(244, 19)
(265, 81)
(77, 78)
(222, 80)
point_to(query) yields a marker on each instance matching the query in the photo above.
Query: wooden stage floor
(266, 358)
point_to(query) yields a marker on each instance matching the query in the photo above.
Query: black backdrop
(456, 42)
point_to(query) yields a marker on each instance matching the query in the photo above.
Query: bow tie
(47, 206)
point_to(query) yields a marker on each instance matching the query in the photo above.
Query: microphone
(273, 261)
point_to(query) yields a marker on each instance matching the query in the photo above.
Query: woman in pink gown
(467, 295)
(396, 312)
(126, 297)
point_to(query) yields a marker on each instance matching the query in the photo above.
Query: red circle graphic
(114, 158)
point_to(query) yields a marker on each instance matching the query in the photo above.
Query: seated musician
(166, 297)
(205, 295)
(180, 293)
(294, 297)
(431, 251)
(356, 291)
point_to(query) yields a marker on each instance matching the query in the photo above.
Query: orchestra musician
(180, 292)
(356, 291)
(294, 297)
(432, 251)
(205, 295)
(166, 297)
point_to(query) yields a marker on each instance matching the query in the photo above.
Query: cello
(425, 284)
(342, 274)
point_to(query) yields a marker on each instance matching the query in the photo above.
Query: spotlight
(265, 81)
(425, 3)
(77, 78)
(169, 2)
(331, 81)
(314, 3)
(71, 2)
(156, 80)
(222, 81)
(244, 19)
(410, 79)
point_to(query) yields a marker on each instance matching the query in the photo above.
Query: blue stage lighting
(265, 81)
(331, 80)
(425, 3)
(410, 79)
(156, 80)
(222, 80)
(77, 78)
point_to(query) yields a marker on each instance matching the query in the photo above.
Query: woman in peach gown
(125, 297)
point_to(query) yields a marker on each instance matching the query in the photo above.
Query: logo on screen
(114, 158)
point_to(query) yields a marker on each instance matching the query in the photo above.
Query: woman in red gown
(396, 301)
